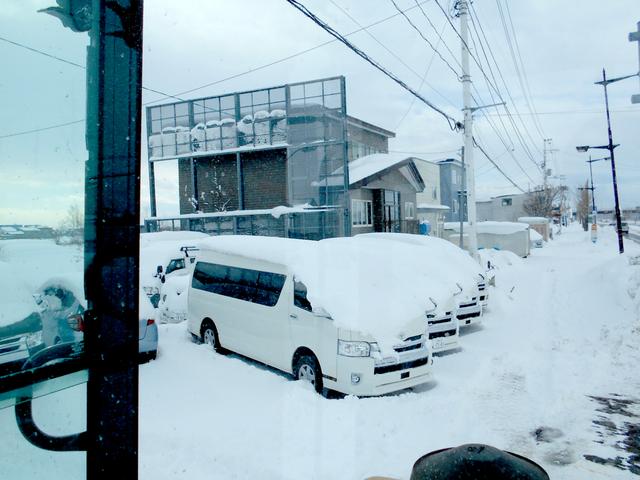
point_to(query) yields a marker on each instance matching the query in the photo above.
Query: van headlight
(354, 349)
(34, 339)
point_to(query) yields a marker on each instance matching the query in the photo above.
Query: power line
(516, 129)
(289, 57)
(422, 82)
(42, 129)
(35, 50)
(428, 42)
(395, 55)
(453, 123)
(506, 86)
(497, 167)
(532, 107)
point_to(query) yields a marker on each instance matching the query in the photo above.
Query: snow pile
(499, 259)
(147, 239)
(534, 236)
(173, 299)
(533, 220)
(373, 287)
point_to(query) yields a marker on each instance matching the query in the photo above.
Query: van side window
(245, 284)
(269, 288)
(175, 264)
(300, 296)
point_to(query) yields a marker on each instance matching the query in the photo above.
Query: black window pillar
(114, 73)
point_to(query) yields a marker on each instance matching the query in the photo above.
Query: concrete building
(451, 184)
(504, 208)
(429, 206)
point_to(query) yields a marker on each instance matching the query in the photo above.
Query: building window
(507, 202)
(454, 177)
(409, 210)
(361, 213)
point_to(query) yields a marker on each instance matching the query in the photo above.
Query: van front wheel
(307, 368)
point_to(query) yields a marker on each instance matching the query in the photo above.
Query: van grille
(411, 343)
(401, 366)
(446, 333)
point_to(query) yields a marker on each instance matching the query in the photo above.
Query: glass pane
(42, 231)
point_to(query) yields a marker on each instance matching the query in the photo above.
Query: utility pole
(462, 197)
(463, 9)
(635, 37)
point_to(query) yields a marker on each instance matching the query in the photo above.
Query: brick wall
(217, 184)
(265, 179)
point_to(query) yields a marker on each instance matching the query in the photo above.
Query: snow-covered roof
(432, 206)
(368, 165)
(496, 228)
(276, 212)
(377, 288)
(533, 220)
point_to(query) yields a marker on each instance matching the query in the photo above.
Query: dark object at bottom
(476, 462)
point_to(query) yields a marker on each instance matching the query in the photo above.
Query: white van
(244, 297)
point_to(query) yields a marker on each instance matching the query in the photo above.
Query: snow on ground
(563, 325)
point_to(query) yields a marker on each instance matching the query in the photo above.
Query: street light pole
(593, 191)
(611, 148)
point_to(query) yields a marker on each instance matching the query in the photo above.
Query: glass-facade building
(237, 151)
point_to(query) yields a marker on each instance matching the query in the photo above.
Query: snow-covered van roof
(377, 288)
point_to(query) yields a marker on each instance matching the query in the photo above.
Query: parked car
(624, 227)
(148, 329)
(269, 299)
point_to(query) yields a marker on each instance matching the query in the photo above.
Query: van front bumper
(408, 371)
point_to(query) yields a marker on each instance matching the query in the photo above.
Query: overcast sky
(563, 46)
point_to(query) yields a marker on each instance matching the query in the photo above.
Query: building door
(391, 211)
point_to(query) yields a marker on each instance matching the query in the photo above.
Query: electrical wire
(474, 13)
(289, 57)
(453, 123)
(427, 41)
(497, 167)
(422, 78)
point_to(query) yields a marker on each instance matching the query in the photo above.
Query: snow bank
(173, 299)
(369, 286)
(499, 259)
(147, 239)
(534, 236)
(533, 220)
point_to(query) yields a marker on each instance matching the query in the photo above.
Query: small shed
(539, 224)
(510, 236)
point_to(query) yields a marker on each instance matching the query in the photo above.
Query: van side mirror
(159, 270)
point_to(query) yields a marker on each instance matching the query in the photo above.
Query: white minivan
(245, 296)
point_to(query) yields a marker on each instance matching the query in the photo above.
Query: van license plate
(405, 375)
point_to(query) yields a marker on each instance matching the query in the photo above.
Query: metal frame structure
(307, 119)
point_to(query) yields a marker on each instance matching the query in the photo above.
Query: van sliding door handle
(293, 315)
